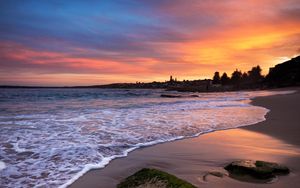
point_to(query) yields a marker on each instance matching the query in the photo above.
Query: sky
(88, 42)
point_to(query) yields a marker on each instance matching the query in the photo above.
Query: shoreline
(161, 156)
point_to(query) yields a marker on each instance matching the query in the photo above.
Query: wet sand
(277, 139)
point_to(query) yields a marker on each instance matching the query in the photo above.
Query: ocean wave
(53, 143)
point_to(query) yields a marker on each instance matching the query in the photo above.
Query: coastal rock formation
(285, 74)
(170, 96)
(260, 170)
(153, 178)
(177, 96)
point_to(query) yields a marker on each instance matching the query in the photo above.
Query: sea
(51, 137)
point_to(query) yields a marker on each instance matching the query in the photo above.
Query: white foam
(87, 168)
(17, 148)
(106, 161)
(2, 165)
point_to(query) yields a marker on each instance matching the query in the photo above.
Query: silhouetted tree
(224, 79)
(216, 78)
(236, 78)
(255, 75)
(245, 78)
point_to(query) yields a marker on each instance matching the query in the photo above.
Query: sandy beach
(276, 139)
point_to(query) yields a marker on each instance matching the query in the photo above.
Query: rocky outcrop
(256, 169)
(146, 178)
(285, 74)
(177, 96)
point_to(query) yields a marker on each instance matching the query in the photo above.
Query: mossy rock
(257, 169)
(155, 179)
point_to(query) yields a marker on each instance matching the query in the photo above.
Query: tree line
(282, 75)
(239, 79)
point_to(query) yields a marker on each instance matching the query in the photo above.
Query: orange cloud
(189, 39)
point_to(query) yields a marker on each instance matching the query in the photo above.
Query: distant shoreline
(286, 74)
(135, 88)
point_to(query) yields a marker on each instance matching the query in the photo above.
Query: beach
(276, 140)
(149, 94)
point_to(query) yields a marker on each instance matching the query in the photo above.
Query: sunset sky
(87, 42)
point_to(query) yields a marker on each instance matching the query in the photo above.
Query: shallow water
(50, 137)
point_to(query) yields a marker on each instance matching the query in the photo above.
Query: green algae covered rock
(152, 178)
(256, 169)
